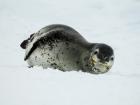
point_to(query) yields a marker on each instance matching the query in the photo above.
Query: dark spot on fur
(35, 57)
(54, 65)
(86, 65)
(77, 62)
(57, 57)
(48, 61)
(85, 59)
(67, 44)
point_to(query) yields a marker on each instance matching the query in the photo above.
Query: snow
(115, 22)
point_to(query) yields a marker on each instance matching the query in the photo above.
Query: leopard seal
(61, 47)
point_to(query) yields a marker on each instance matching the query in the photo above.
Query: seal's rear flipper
(23, 44)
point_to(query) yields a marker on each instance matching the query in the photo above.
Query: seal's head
(101, 58)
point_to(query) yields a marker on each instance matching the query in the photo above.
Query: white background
(114, 22)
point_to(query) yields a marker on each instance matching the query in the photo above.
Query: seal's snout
(24, 44)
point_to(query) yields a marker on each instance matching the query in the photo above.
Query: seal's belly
(61, 55)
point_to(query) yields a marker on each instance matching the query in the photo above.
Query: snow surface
(115, 22)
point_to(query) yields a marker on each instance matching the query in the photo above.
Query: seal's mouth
(99, 67)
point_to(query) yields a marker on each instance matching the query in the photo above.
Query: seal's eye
(95, 52)
(112, 58)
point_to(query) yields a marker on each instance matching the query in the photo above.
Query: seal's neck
(85, 61)
(86, 58)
